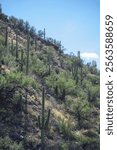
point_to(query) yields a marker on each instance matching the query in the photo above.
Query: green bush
(82, 111)
(63, 81)
(17, 78)
(3, 81)
(51, 81)
(64, 146)
(7, 144)
(9, 61)
(37, 67)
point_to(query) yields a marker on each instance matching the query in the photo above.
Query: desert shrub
(9, 61)
(17, 78)
(63, 82)
(51, 81)
(64, 146)
(82, 110)
(37, 66)
(7, 144)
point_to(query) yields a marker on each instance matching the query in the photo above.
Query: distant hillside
(48, 99)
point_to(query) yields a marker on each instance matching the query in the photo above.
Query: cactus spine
(43, 123)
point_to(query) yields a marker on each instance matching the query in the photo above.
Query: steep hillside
(35, 73)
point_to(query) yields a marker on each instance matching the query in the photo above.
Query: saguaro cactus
(6, 36)
(16, 47)
(22, 57)
(60, 46)
(28, 49)
(12, 48)
(35, 44)
(0, 9)
(80, 64)
(79, 54)
(44, 33)
(43, 122)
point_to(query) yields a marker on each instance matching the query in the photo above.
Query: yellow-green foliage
(17, 78)
(37, 66)
(64, 146)
(62, 80)
(66, 128)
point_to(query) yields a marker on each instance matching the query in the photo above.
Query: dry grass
(59, 114)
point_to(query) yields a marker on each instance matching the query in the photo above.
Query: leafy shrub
(63, 82)
(18, 78)
(9, 61)
(82, 111)
(7, 144)
(51, 81)
(92, 91)
(64, 146)
(37, 67)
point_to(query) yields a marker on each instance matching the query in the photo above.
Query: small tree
(26, 27)
(21, 24)
(40, 33)
(82, 110)
(65, 84)
(32, 31)
(61, 83)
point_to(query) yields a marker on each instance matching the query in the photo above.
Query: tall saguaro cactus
(43, 122)
(12, 47)
(28, 49)
(44, 33)
(22, 56)
(0, 9)
(6, 36)
(79, 54)
(35, 44)
(81, 67)
(16, 47)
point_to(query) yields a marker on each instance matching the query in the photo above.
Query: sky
(76, 23)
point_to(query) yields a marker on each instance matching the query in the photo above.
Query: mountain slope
(27, 64)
